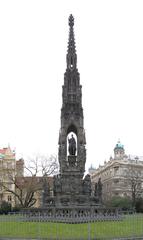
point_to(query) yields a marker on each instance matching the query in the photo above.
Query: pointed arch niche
(71, 131)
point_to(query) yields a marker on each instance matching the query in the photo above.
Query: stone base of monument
(71, 208)
(71, 214)
(72, 160)
(74, 200)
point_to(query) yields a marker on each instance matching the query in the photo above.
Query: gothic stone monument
(72, 200)
(71, 188)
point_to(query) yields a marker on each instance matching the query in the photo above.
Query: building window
(126, 183)
(9, 198)
(116, 194)
(116, 181)
(125, 195)
(116, 169)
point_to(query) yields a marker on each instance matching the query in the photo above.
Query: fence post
(39, 225)
(89, 229)
(56, 222)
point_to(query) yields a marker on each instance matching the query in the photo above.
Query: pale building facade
(13, 180)
(121, 176)
(9, 168)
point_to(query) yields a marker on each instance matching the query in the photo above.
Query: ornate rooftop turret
(119, 145)
(119, 150)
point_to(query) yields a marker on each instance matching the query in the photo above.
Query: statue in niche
(56, 184)
(98, 190)
(46, 191)
(87, 185)
(46, 188)
(72, 145)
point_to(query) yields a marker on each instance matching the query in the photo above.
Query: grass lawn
(130, 226)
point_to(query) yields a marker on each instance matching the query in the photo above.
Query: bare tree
(134, 180)
(25, 187)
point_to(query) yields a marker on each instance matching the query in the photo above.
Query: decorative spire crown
(71, 53)
(71, 20)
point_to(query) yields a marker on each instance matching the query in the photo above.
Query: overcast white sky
(33, 45)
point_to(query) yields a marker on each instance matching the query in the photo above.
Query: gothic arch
(72, 128)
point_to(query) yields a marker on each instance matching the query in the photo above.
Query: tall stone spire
(70, 185)
(72, 115)
(71, 88)
(71, 53)
(71, 189)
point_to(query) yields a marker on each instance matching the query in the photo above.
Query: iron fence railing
(23, 226)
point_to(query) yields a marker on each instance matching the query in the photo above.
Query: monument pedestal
(72, 161)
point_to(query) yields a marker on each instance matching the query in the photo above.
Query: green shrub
(139, 205)
(5, 207)
(120, 202)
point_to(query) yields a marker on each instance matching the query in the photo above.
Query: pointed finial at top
(71, 53)
(71, 20)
